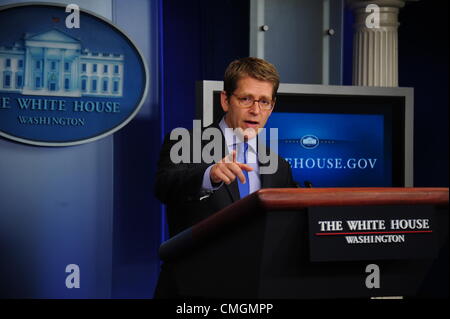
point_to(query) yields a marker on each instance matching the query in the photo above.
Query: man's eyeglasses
(248, 101)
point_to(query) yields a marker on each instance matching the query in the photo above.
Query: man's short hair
(253, 67)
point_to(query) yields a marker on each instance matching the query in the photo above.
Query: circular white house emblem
(66, 83)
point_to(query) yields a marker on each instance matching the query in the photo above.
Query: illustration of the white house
(54, 63)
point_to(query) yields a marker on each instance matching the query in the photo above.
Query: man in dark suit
(194, 190)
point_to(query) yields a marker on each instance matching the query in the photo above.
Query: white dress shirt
(231, 140)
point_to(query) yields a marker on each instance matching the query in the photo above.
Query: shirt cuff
(207, 185)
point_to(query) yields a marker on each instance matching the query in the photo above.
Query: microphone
(308, 184)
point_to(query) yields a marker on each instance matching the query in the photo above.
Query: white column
(27, 70)
(44, 84)
(61, 70)
(375, 46)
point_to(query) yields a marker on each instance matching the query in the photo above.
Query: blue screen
(335, 150)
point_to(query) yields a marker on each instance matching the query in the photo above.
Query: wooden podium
(299, 243)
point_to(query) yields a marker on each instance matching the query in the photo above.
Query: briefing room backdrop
(93, 204)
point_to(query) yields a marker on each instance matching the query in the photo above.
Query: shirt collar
(231, 138)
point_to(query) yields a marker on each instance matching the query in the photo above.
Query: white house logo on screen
(309, 141)
(64, 85)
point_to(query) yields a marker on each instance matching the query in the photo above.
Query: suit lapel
(266, 179)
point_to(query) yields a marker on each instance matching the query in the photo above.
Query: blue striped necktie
(244, 189)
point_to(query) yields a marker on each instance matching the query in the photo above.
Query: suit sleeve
(177, 182)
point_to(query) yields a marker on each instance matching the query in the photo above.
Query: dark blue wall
(137, 213)
(347, 48)
(200, 38)
(423, 64)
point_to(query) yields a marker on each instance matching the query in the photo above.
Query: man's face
(249, 119)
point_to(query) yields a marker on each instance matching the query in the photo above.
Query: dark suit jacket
(179, 187)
